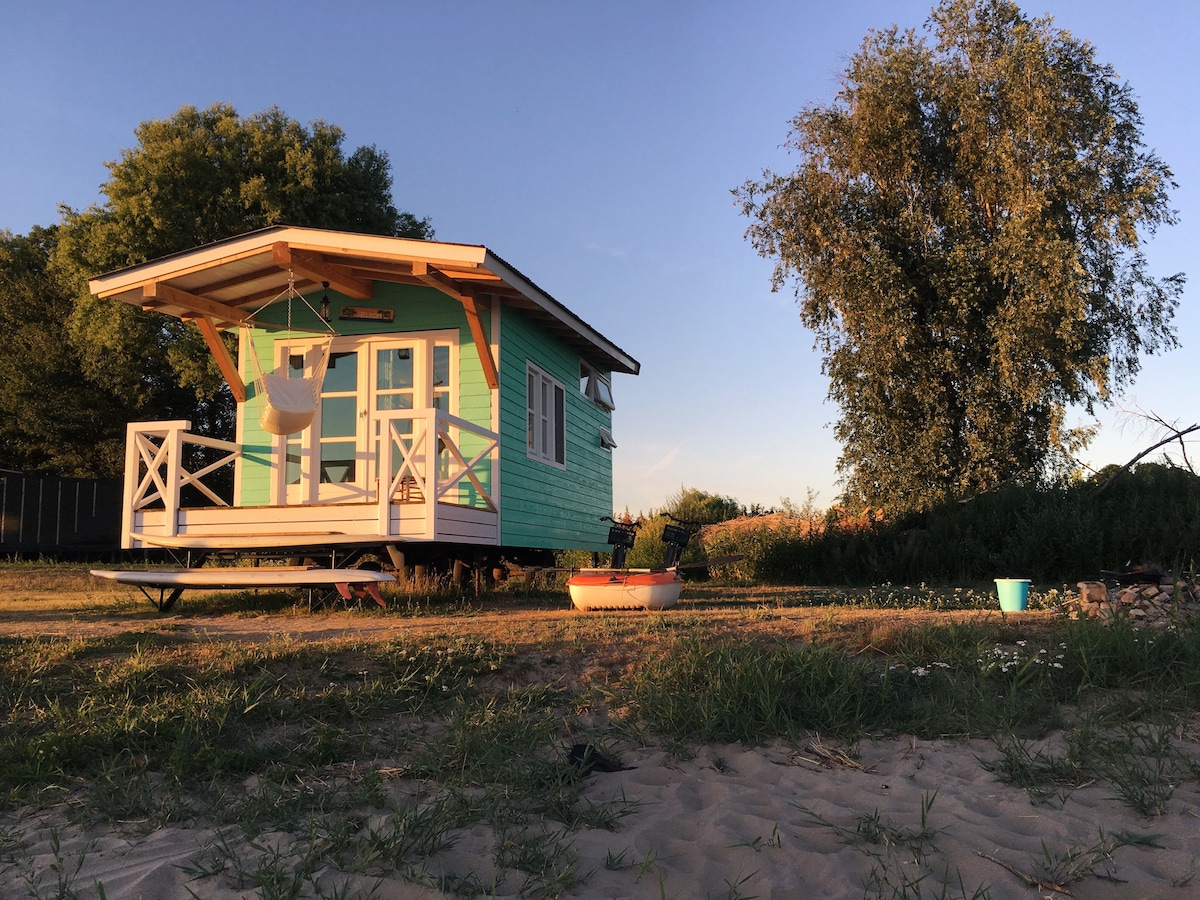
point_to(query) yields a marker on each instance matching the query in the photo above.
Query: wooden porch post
(132, 466)
(174, 463)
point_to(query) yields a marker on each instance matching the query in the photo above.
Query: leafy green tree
(205, 175)
(701, 507)
(964, 231)
(197, 177)
(49, 413)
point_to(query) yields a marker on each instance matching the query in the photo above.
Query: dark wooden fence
(44, 514)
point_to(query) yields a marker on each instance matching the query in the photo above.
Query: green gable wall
(540, 506)
(416, 309)
(543, 506)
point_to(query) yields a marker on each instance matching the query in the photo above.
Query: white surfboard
(175, 581)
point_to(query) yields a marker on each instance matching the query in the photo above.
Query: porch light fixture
(325, 301)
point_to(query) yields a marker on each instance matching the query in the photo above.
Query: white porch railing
(426, 452)
(442, 486)
(156, 472)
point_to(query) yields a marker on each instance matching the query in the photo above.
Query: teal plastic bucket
(1013, 593)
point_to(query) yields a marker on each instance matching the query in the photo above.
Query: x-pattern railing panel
(411, 447)
(465, 469)
(160, 451)
(433, 432)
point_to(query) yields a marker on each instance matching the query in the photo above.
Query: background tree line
(73, 369)
(1054, 534)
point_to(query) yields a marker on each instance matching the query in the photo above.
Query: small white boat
(624, 589)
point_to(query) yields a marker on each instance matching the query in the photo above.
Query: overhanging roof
(225, 282)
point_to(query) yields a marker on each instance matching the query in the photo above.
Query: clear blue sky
(593, 146)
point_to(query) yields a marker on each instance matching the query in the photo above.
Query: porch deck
(436, 493)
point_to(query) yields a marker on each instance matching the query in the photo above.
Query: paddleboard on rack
(171, 583)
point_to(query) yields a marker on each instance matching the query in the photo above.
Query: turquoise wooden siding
(417, 309)
(543, 506)
(540, 505)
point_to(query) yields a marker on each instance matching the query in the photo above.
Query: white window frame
(596, 386)
(545, 417)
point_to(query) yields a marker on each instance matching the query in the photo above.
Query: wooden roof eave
(351, 263)
(222, 254)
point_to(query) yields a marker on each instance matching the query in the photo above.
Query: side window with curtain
(545, 410)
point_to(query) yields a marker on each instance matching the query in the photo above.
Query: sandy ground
(731, 822)
(777, 821)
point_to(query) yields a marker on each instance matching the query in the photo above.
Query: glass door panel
(441, 377)
(340, 475)
(395, 388)
(300, 363)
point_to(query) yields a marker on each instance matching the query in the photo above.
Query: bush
(1054, 535)
(690, 505)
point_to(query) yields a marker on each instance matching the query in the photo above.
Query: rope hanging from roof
(287, 403)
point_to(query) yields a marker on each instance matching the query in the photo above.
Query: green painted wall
(416, 309)
(541, 505)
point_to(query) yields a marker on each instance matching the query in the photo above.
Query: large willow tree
(963, 231)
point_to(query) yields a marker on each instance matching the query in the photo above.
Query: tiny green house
(446, 400)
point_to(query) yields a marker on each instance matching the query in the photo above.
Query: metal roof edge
(560, 312)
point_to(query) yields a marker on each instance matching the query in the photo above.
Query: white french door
(334, 459)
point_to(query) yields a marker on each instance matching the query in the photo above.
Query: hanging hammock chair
(287, 405)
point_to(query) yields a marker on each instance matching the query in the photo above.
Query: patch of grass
(872, 829)
(889, 878)
(1144, 767)
(1077, 863)
(1139, 761)
(701, 692)
(202, 710)
(957, 679)
(901, 855)
(59, 881)
(375, 755)
(545, 856)
(409, 834)
(1048, 778)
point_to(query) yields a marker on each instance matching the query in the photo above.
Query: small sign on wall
(366, 314)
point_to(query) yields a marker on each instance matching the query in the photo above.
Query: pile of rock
(1153, 605)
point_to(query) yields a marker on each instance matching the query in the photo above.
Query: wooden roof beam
(156, 294)
(467, 297)
(318, 268)
(269, 294)
(225, 362)
(471, 307)
(238, 281)
(203, 312)
(430, 276)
